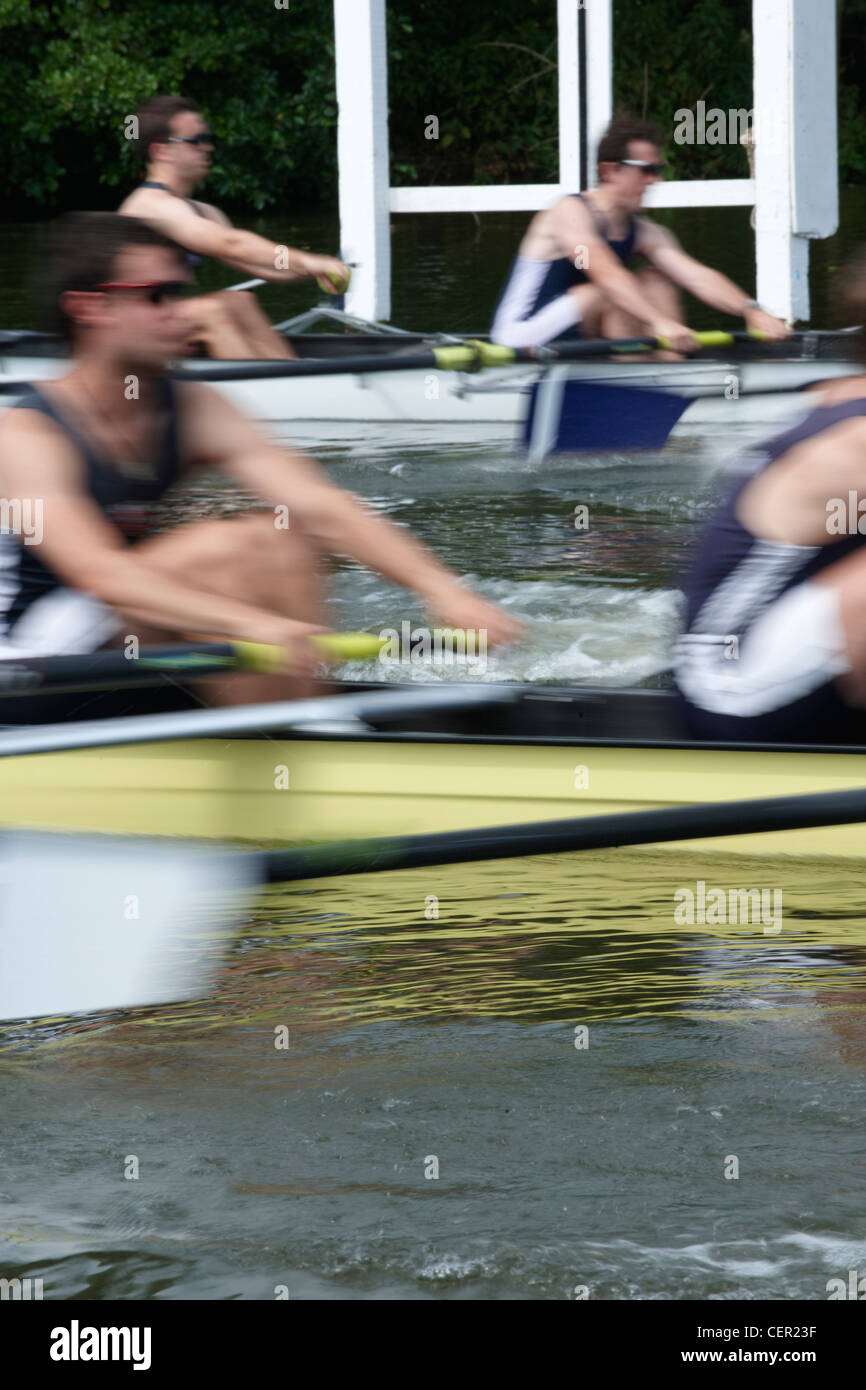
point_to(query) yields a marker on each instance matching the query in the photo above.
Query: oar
(469, 356)
(322, 283)
(697, 822)
(96, 922)
(100, 922)
(107, 669)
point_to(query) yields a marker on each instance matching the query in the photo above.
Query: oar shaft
(471, 356)
(460, 359)
(468, 357)
(696, 822)
(153, 665)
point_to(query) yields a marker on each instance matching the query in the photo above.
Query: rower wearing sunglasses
(100, 448)
(176, 147)
(570, 277)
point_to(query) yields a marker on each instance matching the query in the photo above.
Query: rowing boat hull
(301, 789)
(731, 394)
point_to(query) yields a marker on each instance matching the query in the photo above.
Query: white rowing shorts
(60, 623)
(514, 326)
(795, 647)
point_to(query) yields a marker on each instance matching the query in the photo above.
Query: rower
(101, 447)
(774, 647)
(176, 147)
(569, 278)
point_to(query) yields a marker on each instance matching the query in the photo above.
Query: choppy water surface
(415, 1038)
(581, 1068)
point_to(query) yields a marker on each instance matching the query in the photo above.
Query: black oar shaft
(337, 366)
(109, 669)
(696, 822)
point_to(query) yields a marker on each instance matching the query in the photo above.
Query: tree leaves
(71, 70)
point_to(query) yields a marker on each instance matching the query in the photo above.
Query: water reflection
(554, 940)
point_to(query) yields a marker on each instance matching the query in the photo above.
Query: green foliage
(72, 70)
(671, 55)
(77, 68)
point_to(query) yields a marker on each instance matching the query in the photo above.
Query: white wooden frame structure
(794, 190)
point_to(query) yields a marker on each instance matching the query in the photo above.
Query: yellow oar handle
(457, 359)
(339, 286)
(334, 646)
(348, 646)
(714, 337)
(474, 355)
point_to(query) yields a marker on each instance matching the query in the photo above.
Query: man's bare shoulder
(141, 202)
(570, 211)
(652, 234)
(34, 445)
(156, 205)
(208, 210)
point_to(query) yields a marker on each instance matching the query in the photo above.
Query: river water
(613, 1103)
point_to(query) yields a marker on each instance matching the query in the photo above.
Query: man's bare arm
(664, 251)
(243, 250)
(220, 435)
(575, 233)
(89, 554)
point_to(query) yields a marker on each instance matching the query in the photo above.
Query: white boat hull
(729, 394)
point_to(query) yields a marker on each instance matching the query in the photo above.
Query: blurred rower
(775, 641)
(100, 447)
(569, 278)
(176, 148)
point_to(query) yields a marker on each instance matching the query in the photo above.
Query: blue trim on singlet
(193, 260)
(726, 543)
(126, 501)
(562, 274)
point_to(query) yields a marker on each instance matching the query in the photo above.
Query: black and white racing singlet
(532, 285)
(126, 497)
(762, 648)
(735, 576)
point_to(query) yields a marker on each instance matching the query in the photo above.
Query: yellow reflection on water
(549, 939)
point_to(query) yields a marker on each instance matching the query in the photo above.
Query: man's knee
(204, 312)
(653, 279)
(241, 306)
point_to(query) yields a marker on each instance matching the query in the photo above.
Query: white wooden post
(599, 74)
(795, 145)
(568, 74)
(362, 153)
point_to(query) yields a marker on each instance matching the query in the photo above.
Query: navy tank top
(127, 498)
(735, 576)
(193, 261)
(562, 275)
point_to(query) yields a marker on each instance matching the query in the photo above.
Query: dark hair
(614, 144)
(154, 122)
(82, 252)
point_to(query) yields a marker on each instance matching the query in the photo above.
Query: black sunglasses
(204, 137)
(157, 290)
(644, 164)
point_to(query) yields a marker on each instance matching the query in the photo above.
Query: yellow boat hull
(302, 790)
